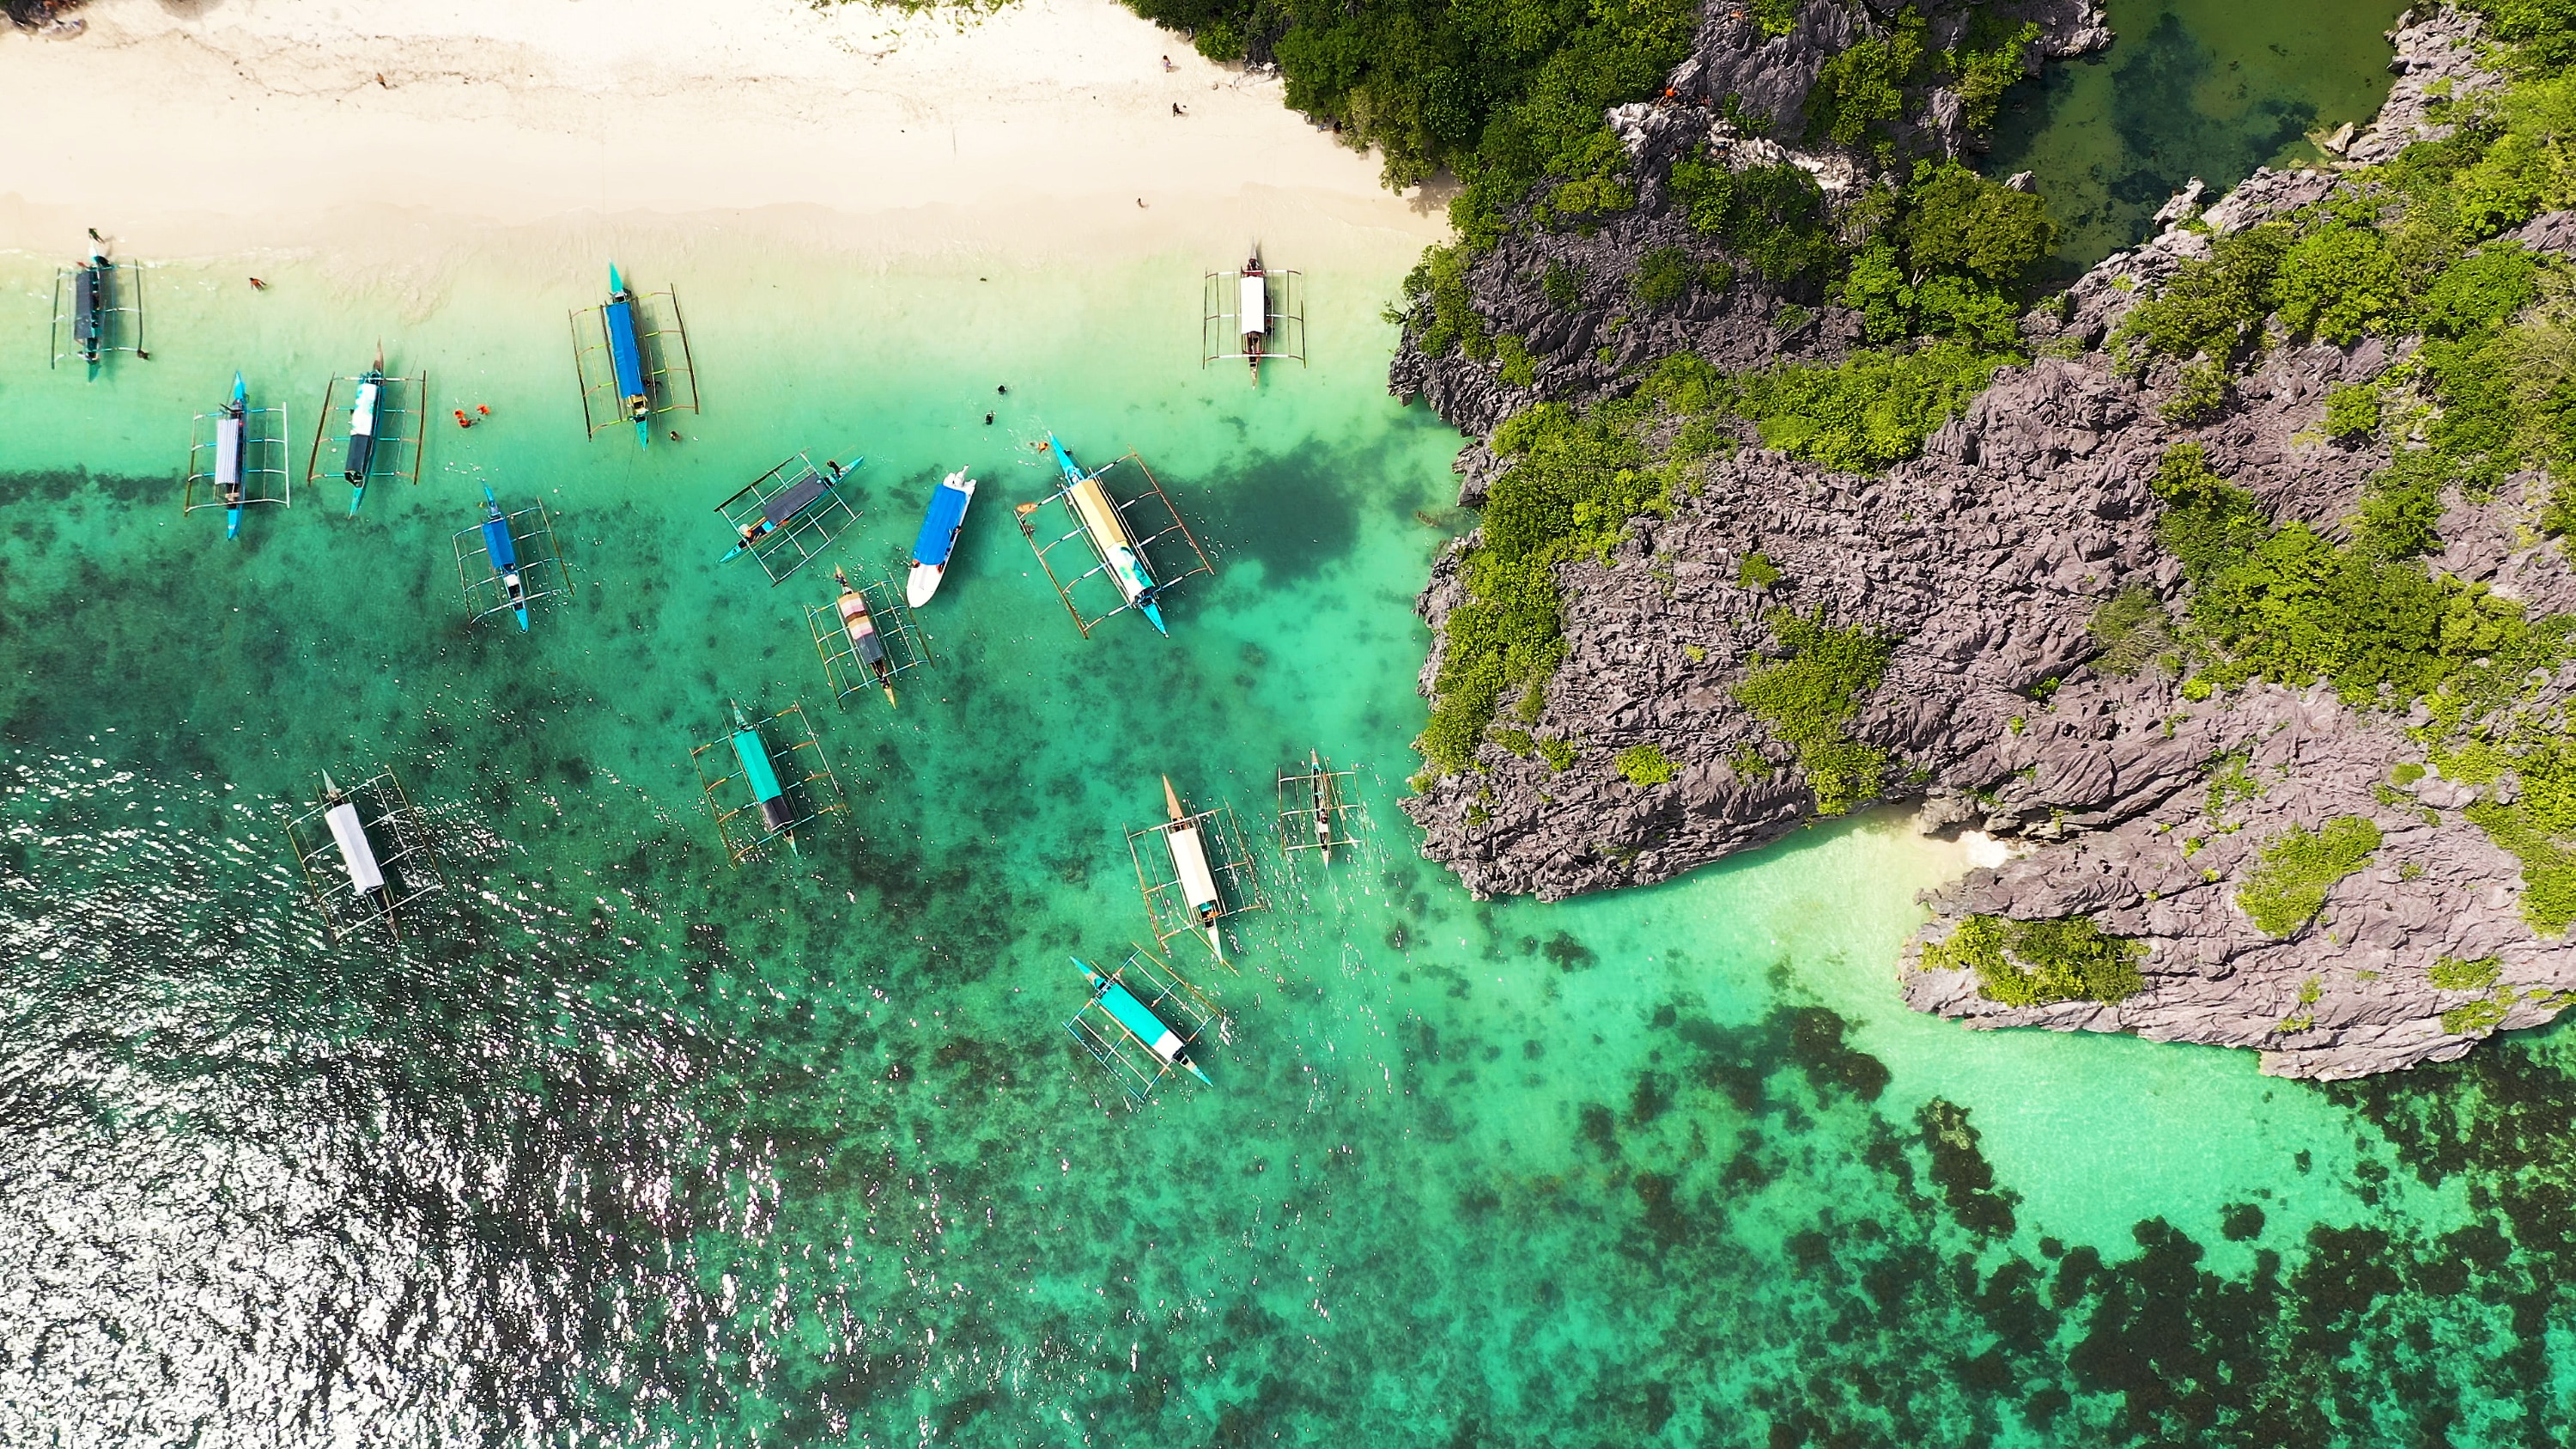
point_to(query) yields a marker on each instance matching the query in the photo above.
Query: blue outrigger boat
(1128, 1025)
(362, 431)
(230, 427)
(505, 556)
(938, 540)
(626, 356)
(1108, 529)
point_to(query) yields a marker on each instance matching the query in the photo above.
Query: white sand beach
(364, 128)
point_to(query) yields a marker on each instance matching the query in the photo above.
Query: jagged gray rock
(1986, 561)
(1584, 348)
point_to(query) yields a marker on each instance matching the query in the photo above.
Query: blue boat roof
(939, 530)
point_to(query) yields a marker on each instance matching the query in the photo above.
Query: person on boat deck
(751, 531)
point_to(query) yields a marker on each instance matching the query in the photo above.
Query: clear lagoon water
(2206, 88)
(624, 1144)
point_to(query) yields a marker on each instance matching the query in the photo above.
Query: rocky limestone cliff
(1582, 350)
(1986, 561)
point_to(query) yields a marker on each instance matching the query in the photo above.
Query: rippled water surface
(623, 1144)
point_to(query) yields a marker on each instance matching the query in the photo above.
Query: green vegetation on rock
(2296, 870)
(1806, 695)
(1575, 480)
(1645, 766)
(2039, 963)
(2450, 973)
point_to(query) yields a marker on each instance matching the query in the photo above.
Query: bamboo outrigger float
(380, 432)
(631, 356)
(98, 309)
(780, 804)
(381, 848)
(236, 457)
(788, 515)
(1142, 1021)
(866, 637)
(1317, 806)
(1202, 874)
(508, 561)
(1252, 314)
(1122, 553)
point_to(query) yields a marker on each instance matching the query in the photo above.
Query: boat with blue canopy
(509, 560)
(937, 542)
(98, 309)
(631, 357)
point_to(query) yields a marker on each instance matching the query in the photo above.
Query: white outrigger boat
(1190, 865)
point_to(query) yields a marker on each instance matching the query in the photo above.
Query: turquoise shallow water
(625, 1145)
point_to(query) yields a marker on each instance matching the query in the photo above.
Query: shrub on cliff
(2296, 870)
(1807, 694)
(2215, 305)
(1575, 480)
(2040, 963)
(1772, 216)
(1872, 410)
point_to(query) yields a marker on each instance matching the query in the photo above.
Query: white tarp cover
(362, 416)
(1256, 305)
(355, 852)
(1189, 858)
(228, 451)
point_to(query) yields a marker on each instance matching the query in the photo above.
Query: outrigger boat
(89, 306)
(861, 627)
(504, 551)
(230, 426)
(784, 800)
(938, 541)
(1139, 1021)
(1108, 529)
(777, 815)
(1190, 864)
(362, 431)
(1323, 791)
(626, 356)
(783, 507)
(382, 852)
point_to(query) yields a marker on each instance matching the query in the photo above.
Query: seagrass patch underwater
(623, 1144)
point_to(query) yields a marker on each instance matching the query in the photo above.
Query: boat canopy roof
(939, 529)
(789, 502)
